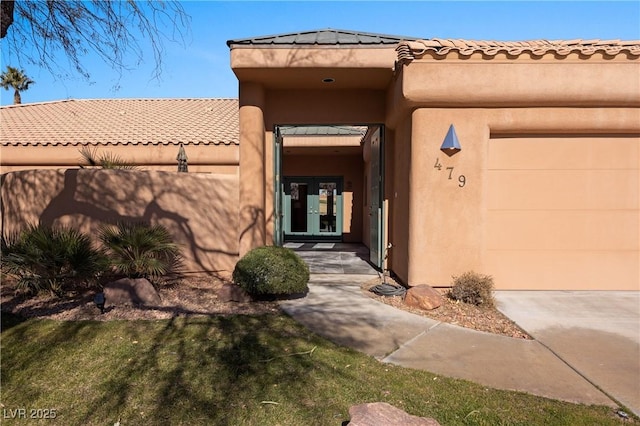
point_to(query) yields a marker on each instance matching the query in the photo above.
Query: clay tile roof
(409, 50)
(121, 122)
(327, 36)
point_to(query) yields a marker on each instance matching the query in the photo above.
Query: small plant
(108, 160)
(56, 259)
(140, 250)
(473, 288)
(271, 270)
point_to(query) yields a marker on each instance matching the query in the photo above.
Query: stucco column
(446, 213)
(251, 232)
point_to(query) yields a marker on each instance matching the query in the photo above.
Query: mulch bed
(192, 296)
(455, 312)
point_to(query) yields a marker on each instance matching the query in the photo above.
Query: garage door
(563, 213)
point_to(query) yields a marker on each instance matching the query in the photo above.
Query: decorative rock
(423, 297)
(381, 413)
(233, 293)
(126, 291)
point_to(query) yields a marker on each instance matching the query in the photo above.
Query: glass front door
(312, 207)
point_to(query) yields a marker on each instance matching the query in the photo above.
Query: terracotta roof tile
(121, 122)
(409, 50)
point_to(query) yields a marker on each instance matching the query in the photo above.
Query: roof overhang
(318, 67)
(320, 59)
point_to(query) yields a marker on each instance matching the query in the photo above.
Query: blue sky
(200, 69)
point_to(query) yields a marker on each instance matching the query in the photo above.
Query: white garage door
(563, 212)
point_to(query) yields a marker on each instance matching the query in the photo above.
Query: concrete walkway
(597, 333)
(337, 309)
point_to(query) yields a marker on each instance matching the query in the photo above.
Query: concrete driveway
(596, 333)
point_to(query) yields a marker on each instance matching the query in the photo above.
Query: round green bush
(272, 270)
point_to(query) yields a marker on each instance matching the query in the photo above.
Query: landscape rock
(233, 293)
(381, 413)
(131, 291)
(423, 297)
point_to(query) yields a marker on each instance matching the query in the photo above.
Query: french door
(312, 207)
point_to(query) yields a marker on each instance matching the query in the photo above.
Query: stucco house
(516, 159)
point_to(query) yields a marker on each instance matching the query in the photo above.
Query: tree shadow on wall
(199, 211)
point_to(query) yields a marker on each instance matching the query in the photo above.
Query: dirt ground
(197, 296)
(192, 296)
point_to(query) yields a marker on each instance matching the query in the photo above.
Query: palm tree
(17, 79)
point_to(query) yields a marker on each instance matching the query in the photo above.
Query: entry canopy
(323, 130)
(321, 59)
(323, 139)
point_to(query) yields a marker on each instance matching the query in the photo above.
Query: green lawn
(236, 370)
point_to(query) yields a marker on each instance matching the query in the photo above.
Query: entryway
(329, 185)
(334, 258)
(312, 208)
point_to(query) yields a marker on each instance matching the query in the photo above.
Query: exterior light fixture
(182, 160)
(99, 300)
(451, 144)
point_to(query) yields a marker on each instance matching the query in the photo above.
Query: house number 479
(462, 180)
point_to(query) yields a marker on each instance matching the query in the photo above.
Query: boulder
(423, 297)
(233, 293)
(131, 291)
(381, 413)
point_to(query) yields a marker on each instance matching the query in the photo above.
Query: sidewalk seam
(408, 342)
(579, 373)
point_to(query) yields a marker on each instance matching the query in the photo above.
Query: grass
(235, 370)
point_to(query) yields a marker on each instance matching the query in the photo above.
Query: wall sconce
(182, 160)
(451, 144)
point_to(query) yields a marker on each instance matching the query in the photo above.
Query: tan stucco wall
(350, 168)
(544, 81)
(245, 59)
(454, 228)
(563, 104)
(201, 158)
(200, 210)
(349, 107)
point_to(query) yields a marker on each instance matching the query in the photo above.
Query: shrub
(139, 250)
(272, 270)
(44, 257)
(473, 288)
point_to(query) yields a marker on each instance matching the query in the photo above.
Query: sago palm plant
(44, 257)
(140, 250)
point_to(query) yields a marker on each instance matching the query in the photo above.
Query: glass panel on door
(298, 206)
(312, 207)
(328, 206)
